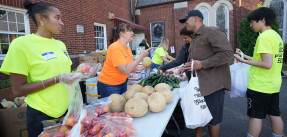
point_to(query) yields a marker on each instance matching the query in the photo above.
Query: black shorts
(34, 120)
(259, 104)
(215, 103)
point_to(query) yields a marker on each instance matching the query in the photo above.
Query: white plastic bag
(194, 108)
(239, 79)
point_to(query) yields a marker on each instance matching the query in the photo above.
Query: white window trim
(209, 8)
(26, 22)
(267, 3)
(226, 19)
(214, 8)
(105, 33)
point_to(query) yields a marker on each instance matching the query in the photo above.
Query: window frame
(284, 29)
(226, 18)
(26, 23)
(203, 7)
(151, 32)
(105, 35)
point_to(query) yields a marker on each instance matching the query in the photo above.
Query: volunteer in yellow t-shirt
(36, 64)
(265, 74)
(161, 54)
(119, 62)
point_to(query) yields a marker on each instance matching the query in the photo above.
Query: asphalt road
(235, 119)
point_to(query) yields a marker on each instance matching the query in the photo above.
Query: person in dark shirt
(144, 44)
(183, 54)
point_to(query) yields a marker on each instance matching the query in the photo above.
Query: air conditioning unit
(80, 29)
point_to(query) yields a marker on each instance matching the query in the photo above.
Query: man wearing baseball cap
(211, 53)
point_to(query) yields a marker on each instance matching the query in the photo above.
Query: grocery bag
(194, 108)
(92, 90)
(239, 78)
(75, 104)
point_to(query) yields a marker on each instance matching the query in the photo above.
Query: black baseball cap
(191, 13)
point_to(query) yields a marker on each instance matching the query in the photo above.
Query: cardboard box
(13, 120)
(96, 54)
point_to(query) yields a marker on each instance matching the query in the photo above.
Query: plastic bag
(75, 104)
(194, 108)
(89, 69)
(56, 131)
(99, 108)
(239, 79)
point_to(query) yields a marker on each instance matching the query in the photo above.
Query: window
(222, 18)
(205, 13)
(157, 33)
(280, 7)
(100, 36)
(13, 23)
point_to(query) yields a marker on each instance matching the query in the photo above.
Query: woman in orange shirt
(119, 62)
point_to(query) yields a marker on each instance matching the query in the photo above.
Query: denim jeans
(154, 66)
(106, 90)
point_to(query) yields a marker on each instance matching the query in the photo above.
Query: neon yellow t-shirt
(39, 59)
(156, 59)
(261, 79)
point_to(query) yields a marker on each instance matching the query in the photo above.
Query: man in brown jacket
(211, 52)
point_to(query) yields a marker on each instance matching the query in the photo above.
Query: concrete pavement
(235, 119)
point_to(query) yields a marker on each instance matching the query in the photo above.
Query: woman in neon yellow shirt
(160, 55)
(36, 64)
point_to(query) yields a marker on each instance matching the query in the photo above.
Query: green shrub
(5, 84)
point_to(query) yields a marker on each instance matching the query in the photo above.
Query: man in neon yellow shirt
(265, 74)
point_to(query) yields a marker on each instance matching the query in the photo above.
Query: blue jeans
(154, 66)
(106, 90)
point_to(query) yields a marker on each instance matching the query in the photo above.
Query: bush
(247, 37)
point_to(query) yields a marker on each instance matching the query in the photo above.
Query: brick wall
(81, 12)
(87, 12)
(170, 16)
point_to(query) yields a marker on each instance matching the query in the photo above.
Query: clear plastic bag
(99, 108)
(89, 69)
(57, 130)
(75, 104)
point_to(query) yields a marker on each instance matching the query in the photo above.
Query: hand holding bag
(239, 78)
(194, 108)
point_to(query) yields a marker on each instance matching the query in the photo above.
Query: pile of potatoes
(138, 100)
(18, 102)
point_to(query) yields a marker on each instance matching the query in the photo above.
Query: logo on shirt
(65, 53)
(49, 55)
(280, 54)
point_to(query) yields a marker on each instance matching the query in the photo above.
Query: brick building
(225, 14)
(88, 22)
